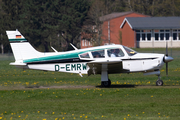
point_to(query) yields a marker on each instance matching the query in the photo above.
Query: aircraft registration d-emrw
(104, 60)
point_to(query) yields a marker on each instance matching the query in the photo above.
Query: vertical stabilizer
(21, 48)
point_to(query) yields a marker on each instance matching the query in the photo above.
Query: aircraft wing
(112, 66)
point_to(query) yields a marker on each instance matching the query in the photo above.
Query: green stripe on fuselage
(55, 57)
(18, 39)
(61, 56)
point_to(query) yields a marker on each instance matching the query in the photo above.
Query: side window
(117, 52)
(84, 55)
(98, 54)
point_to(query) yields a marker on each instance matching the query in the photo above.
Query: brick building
(150, 32)
(111, 29)
(137, 30)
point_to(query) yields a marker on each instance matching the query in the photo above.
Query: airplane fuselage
(71, 61)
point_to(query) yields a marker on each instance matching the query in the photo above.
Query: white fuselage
(139, 62)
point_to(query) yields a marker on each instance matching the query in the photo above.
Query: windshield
(129, 51)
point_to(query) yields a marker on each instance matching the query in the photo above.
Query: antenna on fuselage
(54, 49)
(73, 46)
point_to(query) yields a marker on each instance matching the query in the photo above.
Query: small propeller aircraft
(104, 60)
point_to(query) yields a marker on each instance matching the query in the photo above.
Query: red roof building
(139, 31)
(152, 32)
(111, 31)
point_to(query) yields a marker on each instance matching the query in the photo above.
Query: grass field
(40, 95)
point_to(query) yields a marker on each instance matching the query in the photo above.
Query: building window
(90, 43)
(137, 36)
(149, 36)
(176, 34)
(143, 35)
(161, 35)
(179, 36)
(82, 42)
(156, 36)
(86, 43)
(167, 36)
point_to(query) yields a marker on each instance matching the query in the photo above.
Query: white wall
(173, 38)
(157, 44)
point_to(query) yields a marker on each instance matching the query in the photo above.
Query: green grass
(68, 96)
(91, 103)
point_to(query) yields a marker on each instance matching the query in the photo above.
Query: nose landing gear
(159, 82)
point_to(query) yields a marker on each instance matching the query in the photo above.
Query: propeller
(167, 59)
(166, 56)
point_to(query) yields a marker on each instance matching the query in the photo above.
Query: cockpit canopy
(108, 52)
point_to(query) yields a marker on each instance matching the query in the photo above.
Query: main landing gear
(159, 82)
(105, 82)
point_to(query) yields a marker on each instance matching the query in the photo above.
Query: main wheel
(106, 83)
(159, 82)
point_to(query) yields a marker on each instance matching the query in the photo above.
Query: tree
(5, 23)
(38, 23)
(73, 14)
(43, 19)
(94, 26)
(155, 7)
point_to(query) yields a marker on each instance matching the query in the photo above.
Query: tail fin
(21, 48)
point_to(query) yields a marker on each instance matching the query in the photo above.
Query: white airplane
(104, 60)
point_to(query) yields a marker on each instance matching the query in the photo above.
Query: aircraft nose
(168, 59)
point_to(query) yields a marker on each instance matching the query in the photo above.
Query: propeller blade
(165, 60)
(166, 48)
(166, 69)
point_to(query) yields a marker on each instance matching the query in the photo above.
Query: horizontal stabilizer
(18, 64)
(15, 36)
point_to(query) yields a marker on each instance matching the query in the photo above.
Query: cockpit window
(116, 52)
(84, 55)
(98, 54)
(129, 51)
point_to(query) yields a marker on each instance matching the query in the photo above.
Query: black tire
(109, 82)
(159, 82)
(106, 83)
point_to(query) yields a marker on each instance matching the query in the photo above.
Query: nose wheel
(159, 82)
